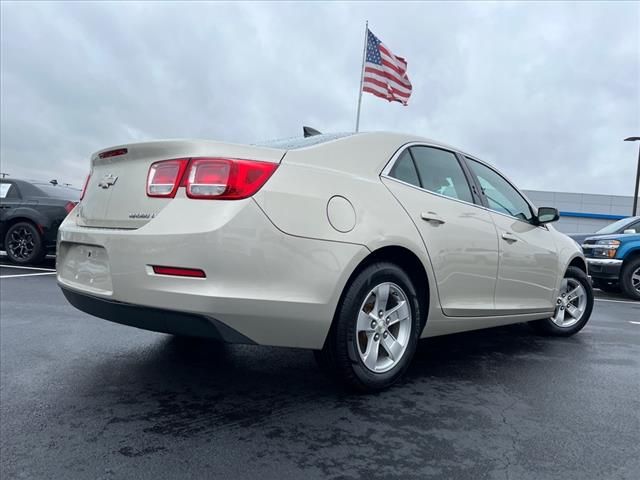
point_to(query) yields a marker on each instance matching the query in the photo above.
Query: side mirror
(547, 215)
(630, 230)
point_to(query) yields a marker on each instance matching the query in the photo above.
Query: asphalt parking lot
(84, 398)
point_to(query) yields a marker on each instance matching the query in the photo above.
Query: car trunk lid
(116, 196)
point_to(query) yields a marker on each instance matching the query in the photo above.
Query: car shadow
(184, 387)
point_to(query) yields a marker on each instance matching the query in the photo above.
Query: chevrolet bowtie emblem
(108, 180)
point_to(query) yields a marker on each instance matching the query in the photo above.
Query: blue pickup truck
(614, 262)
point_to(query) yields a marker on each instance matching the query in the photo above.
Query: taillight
(69, 206)
(226, 178)
(164, 177)
(84, 188)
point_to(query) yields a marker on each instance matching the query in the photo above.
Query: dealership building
(582, 212)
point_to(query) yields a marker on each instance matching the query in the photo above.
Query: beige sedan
(352, 245)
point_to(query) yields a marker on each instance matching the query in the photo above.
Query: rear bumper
(154, 319)
(604, 268)
(270, 287)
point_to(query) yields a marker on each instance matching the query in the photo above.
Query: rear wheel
(573, 306)
(630, 278)
(376, 329)
(23, 243)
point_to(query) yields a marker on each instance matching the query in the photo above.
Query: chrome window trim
(389, 166)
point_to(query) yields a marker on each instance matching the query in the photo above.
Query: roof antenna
(310, 132)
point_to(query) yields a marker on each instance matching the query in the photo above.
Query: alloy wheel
(383, 328)
(635, 280)
(21, 243)
(571, 303)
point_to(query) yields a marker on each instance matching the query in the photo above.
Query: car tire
(23, 244)
(606, 286)
(563, 323)
(358, 331)
(630, 278)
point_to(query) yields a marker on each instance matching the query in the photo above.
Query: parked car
(352, 245)
(614, 262)
(30, 214)
(625, 225)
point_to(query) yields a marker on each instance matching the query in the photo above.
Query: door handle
(432, 217)
(509, 237)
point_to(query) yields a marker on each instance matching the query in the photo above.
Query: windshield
(615, 226)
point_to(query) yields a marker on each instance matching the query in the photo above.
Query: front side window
(501, 196)
(633, 226)
(440, 172)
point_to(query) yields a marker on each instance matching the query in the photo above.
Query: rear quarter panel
(296, 198)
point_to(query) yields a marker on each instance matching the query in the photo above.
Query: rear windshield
(58, 191)
(301, 142)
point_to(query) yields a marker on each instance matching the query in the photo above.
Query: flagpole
(364, 55)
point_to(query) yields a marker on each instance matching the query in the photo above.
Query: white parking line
(631, 302)
(28, 275)
(27, 268)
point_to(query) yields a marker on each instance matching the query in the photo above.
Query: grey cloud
(546, 91)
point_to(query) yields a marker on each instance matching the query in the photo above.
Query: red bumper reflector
(178, 271)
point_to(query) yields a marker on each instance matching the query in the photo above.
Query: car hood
(615, 236)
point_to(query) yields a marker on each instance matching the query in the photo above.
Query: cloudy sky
(545, 91)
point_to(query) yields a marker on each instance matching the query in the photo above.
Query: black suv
(30, 214)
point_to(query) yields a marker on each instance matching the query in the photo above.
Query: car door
(458, 233)
(528, 265)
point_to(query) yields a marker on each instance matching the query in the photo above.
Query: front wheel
(630, 278)
(376, 329)
(573, 306)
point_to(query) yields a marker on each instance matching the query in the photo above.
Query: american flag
(385, 74)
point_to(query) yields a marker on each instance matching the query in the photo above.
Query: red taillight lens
(164, 177)
(179, 272)
(84, 188)
(69, 206)
(226, 178)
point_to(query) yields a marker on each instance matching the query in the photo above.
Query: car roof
(295, 143)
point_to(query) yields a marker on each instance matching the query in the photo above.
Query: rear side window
(7, 190)
(440, 172)
(405, 170)
(501, 196)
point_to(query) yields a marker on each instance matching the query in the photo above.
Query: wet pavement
(84, 398)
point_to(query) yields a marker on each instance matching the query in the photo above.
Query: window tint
(501, 196)
(441, 173)
(405, 170)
